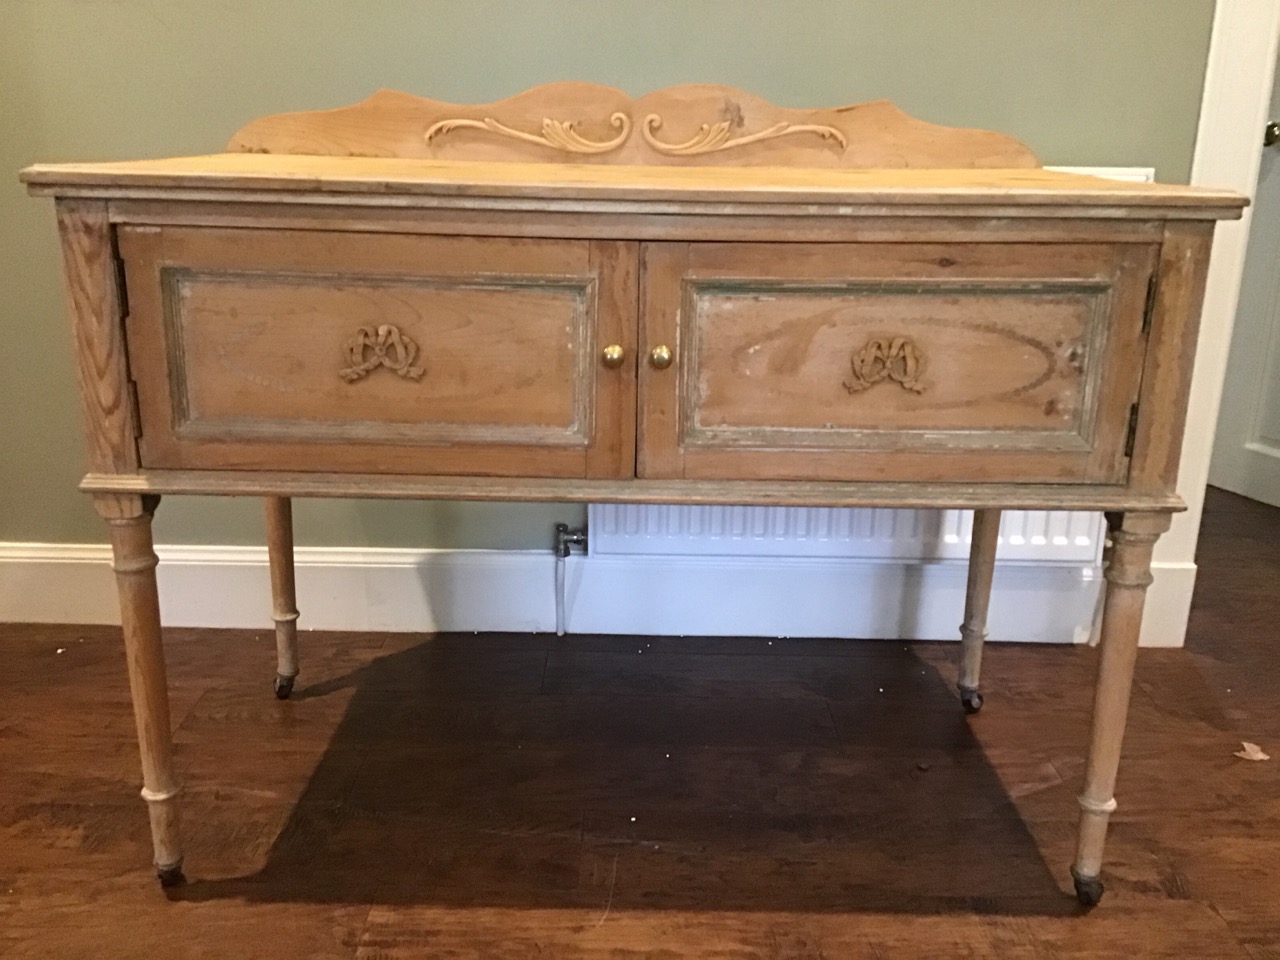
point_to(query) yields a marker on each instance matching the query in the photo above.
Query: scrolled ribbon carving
(559, 134)
(897, 359)
(386, 347)
(713, 137)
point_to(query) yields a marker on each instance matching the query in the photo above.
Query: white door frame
(1233, 111)
(1246, 450)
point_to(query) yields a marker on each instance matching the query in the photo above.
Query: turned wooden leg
(129, 518)
(1128, 574)
(283, 594)
(977, 599)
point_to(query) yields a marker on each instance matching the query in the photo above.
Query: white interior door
(1246, 451)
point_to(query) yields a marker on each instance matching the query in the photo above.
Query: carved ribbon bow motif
(898, 359)
(385, 347)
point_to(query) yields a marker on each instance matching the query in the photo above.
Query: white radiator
(919, 535)
(803, 571)
(828, 572)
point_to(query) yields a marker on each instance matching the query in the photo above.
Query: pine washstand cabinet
(690, 297)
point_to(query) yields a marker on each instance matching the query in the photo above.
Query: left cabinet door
(317, 350)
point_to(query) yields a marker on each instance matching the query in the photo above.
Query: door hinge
(1149, 307)
(1131, 432)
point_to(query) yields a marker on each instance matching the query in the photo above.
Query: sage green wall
(1112, 82)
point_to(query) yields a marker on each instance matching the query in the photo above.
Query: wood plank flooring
(504, 796)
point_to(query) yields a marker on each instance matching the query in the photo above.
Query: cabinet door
(964, 362)
(332, 350)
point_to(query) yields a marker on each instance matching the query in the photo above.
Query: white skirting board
(425, 590)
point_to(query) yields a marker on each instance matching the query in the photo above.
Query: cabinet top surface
(225, 174)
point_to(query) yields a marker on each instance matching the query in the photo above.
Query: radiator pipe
(565, 540)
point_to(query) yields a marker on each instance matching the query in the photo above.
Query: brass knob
(660, 357)
(612, 356)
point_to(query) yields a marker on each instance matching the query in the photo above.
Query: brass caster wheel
(171, 876)
(970, 699)
(1088, 890)
(284, 686)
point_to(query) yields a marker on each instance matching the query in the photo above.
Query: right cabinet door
(946, 362)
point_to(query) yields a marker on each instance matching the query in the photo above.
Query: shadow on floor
(634, 774)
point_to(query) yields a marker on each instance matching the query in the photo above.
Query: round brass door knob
(660, 357)
(612, 356)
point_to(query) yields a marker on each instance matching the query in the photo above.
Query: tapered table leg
(129, 518)
(977, 600)
(1128, 574)
(283, 593)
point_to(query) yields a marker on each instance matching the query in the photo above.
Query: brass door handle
(660, 357)
(612, 356)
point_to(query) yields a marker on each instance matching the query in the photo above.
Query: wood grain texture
(1028, 359)
(960, 496)
(613, 450)
(1128, 574)
(241, 343)
(1170, 355)
(777, 190)
(977, 596)
(801, 225)
(588, 123)
(284, 601)
(771, 816)
(662, 268)
(134, 561)
(97, 319)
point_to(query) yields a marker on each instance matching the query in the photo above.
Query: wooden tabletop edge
(760, 492)
(390, 176)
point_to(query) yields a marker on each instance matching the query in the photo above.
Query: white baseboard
(338, 588)
(1164, 620)
(57, 583)
(426, 590)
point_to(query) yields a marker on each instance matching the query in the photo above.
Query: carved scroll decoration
(557, 134)
(899, 360)
(713, 137)
(384, 347)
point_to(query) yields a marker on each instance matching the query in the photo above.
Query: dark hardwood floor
(520, 796)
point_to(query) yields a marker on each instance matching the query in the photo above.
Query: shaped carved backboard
(698, 124)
